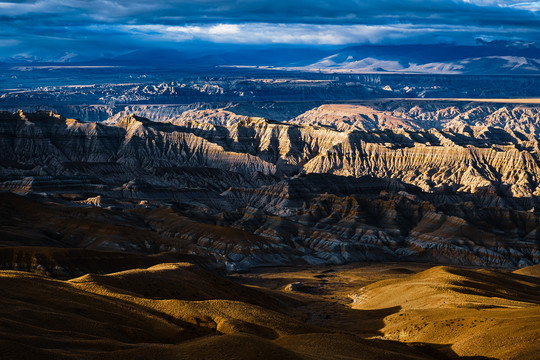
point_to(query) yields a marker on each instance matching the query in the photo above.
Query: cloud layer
(94, 28)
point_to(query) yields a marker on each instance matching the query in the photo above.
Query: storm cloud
(93, 28)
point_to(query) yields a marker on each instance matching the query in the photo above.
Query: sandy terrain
(458, 311)
(363, 311)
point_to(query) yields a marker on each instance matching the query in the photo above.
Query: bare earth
(361, 311)
(459, 311)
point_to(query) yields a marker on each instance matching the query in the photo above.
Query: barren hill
(478, 312)
(198, 315)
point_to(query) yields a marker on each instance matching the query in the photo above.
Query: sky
(64, 29)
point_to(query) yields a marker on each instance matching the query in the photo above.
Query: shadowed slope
(65, 263)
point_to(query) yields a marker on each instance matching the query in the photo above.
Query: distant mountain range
(488, 65)
(495, 57)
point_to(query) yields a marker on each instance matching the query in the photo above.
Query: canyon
(451, 183)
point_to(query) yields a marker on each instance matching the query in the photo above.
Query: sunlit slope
(469, 312)
(168, 311)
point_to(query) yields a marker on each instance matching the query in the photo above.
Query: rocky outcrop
(522, 119)
(347, 117)
(435, 160)
(260, 192)
(373, 221)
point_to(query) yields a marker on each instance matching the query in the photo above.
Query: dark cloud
(50, 26)
(177, 12)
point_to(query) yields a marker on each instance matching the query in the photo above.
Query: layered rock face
(412, 115)
(247, 191)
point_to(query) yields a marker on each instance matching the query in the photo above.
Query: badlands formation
(137, 238)
(380, 181)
